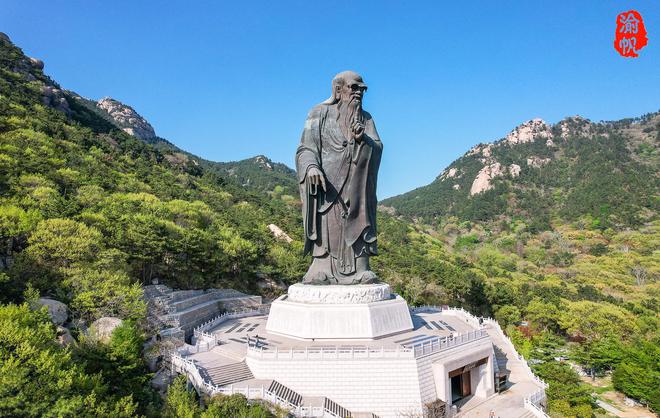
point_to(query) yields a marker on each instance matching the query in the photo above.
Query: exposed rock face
(486, 174)
(263, 162)
(483, 180)
(126, 118)
(54, 97)
(4, 37)
(278, 233)
(102, 328)
(528, 131)
(575, 126)
(37, 63)
(56, 309)
(456, 187)
(387, 209)
(537, 162)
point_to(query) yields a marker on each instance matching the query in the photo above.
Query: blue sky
(230, 80)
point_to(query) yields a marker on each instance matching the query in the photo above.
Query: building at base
(353, 351)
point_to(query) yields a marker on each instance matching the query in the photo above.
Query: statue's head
(347, 86)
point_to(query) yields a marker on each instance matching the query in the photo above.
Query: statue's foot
(318, 278)
(366, 277)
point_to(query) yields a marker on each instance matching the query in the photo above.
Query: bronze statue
(337, 163)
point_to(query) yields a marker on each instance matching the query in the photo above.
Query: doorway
(460, 385)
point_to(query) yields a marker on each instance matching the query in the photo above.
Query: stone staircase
(187, 309)
(285, 394)
(228, 373)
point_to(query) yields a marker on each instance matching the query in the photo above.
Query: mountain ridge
(508, 174)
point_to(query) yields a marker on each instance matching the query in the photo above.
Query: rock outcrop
(575, 126)
(483, 181)
(54, 97)
(279, 234)
(537, 162)
(529, 131)
(57, 310)
(263, 161)
(126, 118)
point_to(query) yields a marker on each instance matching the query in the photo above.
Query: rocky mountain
(126, 118)
(600, 172)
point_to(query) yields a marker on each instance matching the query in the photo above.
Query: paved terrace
(233, 336)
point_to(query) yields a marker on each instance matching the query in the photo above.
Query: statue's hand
(357, 128)
(315, 176)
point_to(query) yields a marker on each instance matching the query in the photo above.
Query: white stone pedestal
(362, 312)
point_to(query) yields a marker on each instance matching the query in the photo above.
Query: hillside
(602, 173)
(61, 159)
(260, 173)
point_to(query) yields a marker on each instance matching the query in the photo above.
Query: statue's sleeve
(309, 149)
(308, 155)
(370, 130)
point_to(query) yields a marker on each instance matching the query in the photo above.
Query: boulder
(64, 336)
(102, 328)
(57, 310)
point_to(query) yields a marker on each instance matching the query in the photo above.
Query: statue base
(337, 312)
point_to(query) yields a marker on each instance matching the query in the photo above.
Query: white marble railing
(534, 403)
(329, 353)
(442, 343)
(360, 352)
(509, 343)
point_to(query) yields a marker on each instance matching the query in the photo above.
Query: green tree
(121, 365)
(181, 402)
(39, 379)
(507, 315)
(234, 406)
(638, 374)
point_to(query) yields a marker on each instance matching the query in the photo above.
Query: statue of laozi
(337, 163)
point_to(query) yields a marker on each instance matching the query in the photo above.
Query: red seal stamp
(630, 34)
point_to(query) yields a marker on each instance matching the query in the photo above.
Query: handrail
(522, 359)
(338, 352)
(533, 403)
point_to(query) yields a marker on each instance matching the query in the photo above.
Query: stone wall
(378, 385)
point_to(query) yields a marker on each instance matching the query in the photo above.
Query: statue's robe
(340, 221)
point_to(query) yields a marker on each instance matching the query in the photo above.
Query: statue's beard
(348, 112)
